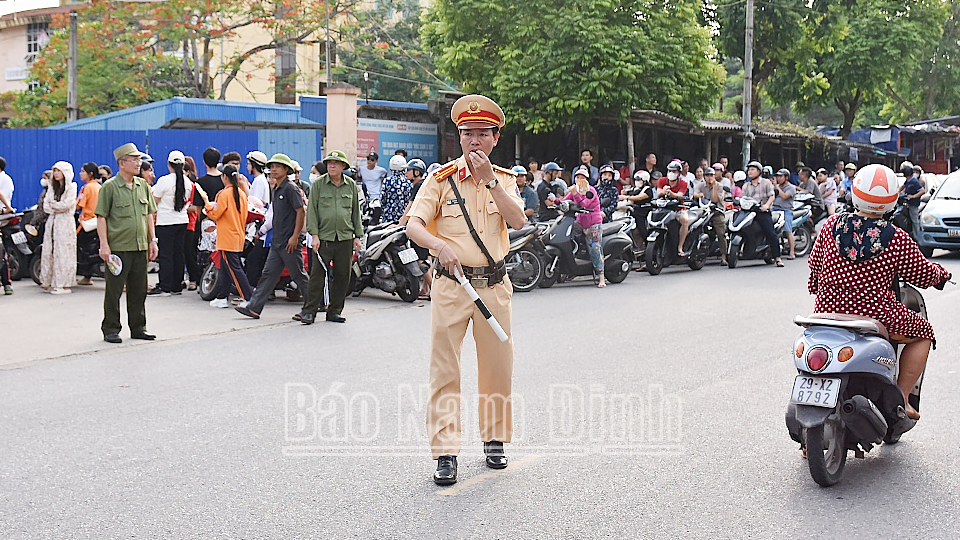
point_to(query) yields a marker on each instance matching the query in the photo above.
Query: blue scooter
(845, 396)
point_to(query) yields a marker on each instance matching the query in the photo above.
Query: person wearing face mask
(58, 262)
(672, 186)
(582, 193)
(639, 193)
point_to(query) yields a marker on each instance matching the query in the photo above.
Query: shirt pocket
(345, 200)
(451, 222)
(326, 203)
(144, 199)
(494, 219)
(122, 207)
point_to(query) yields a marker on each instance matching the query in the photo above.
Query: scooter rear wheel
(826, 452)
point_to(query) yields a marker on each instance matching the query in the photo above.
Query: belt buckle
(479, 282)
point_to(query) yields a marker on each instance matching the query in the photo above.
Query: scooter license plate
(953, 232)
(19, 238)
(816, 391)
(408, 255)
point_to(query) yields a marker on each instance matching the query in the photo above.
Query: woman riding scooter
(582, 193)
(855, 261)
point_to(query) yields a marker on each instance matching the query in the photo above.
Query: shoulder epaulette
(444, 172)
(498, 168)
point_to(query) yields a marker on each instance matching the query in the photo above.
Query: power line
(389, 76)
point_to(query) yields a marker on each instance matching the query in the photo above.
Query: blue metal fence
(29, 152)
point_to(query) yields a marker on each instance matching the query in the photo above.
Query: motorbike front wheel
(698, 258)
(803, 239)
(826, 452)
(525, 269)
(551, 273)
(654, 256)
(16, 264)
(208, 282)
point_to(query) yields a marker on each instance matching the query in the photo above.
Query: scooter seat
(525, 230)
(611, 228)
(857, 323)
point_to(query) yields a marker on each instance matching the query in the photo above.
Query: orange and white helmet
(875, 189)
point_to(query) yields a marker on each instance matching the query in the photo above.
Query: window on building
(37, 38)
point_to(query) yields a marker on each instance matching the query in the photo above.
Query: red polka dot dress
(864, 288)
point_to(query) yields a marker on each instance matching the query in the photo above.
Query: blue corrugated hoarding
(29, 152)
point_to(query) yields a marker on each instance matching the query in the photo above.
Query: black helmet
(907, 169)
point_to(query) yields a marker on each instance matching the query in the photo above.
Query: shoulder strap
(466, 216)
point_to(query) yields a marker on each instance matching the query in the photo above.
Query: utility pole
(72, 112)
(748, 84)
(326, 43)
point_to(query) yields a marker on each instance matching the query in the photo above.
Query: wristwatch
(493, 183)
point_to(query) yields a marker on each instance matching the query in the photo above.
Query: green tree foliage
(850, 49)
(117, 68)
(552, 62)
(777, 31)
(389, 51)
(928, 85)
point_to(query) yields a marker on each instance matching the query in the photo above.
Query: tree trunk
(931, 85)
(903, 103)
(849, 106)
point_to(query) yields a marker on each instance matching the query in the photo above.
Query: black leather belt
(479, 276)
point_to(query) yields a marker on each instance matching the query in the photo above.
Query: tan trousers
(451, 311)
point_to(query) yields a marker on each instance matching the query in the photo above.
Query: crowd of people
(190, 214)
(196, 214)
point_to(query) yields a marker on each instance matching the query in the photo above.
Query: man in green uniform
(334, 224)
(125, 227)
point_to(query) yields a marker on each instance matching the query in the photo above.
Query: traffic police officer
(436, 220)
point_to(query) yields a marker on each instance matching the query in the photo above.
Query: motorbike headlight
(928, 219)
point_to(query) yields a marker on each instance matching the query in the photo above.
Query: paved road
(202, 434)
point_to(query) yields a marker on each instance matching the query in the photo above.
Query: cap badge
(473, 107)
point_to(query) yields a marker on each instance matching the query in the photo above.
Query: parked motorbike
(566, 252)
(845, 396)
(388, 262)
(747, 240)
(527, 253)
(15, 244)
(663, 240)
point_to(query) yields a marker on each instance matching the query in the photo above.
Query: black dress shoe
(446, 471)
(495, 457)
(335, 317)
(307, 318)
(143, 335)
(244, 310)
(112, 338)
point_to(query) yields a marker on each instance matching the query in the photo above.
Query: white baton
(491, 320)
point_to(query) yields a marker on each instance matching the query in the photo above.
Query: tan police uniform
(452, 309)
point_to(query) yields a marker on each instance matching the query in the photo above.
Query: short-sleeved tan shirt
(437, 206)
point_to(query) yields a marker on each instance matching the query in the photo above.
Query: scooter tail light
(845, 354)
(817, 359)
(799, 349)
